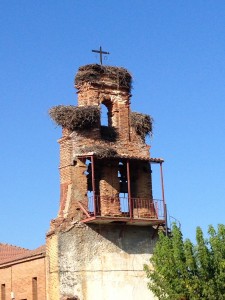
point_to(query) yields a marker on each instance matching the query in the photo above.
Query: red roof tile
(10, 253)
(153, 160)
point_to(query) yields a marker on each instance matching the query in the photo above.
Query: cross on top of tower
(100, 51)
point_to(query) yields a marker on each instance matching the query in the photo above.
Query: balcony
(133, 211)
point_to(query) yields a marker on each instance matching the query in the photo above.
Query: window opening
(34, 289)
(90, 193)
(156, 181)
(123, 194)
(3, 292)
(106, 114)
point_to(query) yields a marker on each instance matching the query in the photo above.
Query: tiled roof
(156, 160)
(153, 160)
(10, 253)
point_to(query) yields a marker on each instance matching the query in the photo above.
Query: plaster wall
(104, 262)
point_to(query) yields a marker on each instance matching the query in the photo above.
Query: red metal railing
(117, 207)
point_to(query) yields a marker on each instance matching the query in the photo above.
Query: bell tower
(105, 191)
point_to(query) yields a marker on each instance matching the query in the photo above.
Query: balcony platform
(122, 220)
(144, 212)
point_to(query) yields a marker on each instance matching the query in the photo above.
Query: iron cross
(100, 52)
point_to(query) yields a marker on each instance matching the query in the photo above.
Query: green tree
(179, 270)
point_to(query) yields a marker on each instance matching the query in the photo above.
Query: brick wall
(52, 267)
(109, 187)
(73, 179)
(18, 279)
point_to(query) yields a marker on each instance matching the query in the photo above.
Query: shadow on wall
(130, 239)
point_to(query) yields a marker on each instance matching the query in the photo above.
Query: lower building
(22, 273)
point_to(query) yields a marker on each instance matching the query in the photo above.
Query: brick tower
(95, 249)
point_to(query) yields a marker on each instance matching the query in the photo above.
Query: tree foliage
(180, 270)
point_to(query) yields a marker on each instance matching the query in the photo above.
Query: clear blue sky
(176, 53)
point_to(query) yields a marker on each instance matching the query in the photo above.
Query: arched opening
(108, 131)
(106, 113)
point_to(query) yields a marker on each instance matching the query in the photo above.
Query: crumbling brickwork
(52, 267)
(93, 250)
(129, 145)
(109, 188)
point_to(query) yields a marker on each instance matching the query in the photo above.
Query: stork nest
(95, 73)
(74, 117)
(142, 124)
(99, 151)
